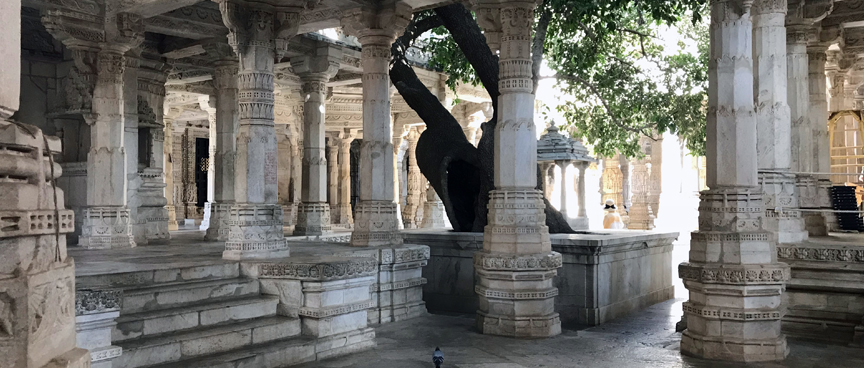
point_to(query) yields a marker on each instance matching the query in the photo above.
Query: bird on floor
(438, 358)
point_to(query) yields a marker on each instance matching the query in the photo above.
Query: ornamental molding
(334, 311)
(35, 222)
(731, 314)
(319, 271)
(515, 295)
(89, 301)
(845, 255)
(735, 274)
(517, 262)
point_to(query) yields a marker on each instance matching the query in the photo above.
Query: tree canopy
(610, 59)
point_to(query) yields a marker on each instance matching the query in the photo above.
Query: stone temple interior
(233, 183)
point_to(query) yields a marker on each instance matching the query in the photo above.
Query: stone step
(176, 294)
(204, 313)
(273, 354)
(205, 341)
(199, 272)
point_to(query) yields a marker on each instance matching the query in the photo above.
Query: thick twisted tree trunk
(460, 173)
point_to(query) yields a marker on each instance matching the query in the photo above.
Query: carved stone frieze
(330, 270)
(89, 301)
(735, 274)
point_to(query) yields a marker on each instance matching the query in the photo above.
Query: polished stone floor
(647, 339)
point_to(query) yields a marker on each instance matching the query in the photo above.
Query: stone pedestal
(433, 211)
(416, 187)
(734, 280)
(581, 222)
(514, 277)
(95, 315)
(641, 214)
(375, 218)
(256, 218)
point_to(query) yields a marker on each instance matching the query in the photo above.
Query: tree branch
(596, 92)
(539, 42)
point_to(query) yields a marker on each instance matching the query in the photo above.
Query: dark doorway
(202, 163)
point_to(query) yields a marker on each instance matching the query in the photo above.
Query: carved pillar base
(220, 217)
(205, 221)
(156, 224)
(807, 188)
(734, 280)
(376, 223)
(313, 219)
(173, 225)
(345, 217)
(433, 213)
(106, 228)
(782, 216)
(255, 232)
(516, 267)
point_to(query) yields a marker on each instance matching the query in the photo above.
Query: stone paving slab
(646, 339)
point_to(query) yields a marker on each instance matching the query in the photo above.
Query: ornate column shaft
(433, 210)
(225, 145)
(563, 188)
(169, 173)
(152, 75)
(516, 266)
(313, 216)
(333, 182)
(798, 94)
(415, 191)
(655, 181)
(255, 30)
(581, 222)
(208, 104)
(130, 144)
(345, 216)
(190, 189)
(641, 214)
(818, 88)
(626, 201)
(296, 176)
(376, 220)
(773, 124)
(733, 276)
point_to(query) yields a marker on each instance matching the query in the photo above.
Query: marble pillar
(208, 104)
(546, 173)
(516, 301)
(224, 143)
(313, 216)
(782, 217)
(626, 200)
(152, 75)
(562, 207)
(296, 176)
(256, 218)
(345, 214)
(434, 214)
(376, 220)
(168, 152)
(641, 213)
(655, 179)
(733, 277)
(821, 154)
(416, 180)
(333, 177)
(37, 305)
(612, 183)
(130, 145)
(581, 221)
(189, 206)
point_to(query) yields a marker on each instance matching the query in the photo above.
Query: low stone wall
(824, 299)
(605, 275)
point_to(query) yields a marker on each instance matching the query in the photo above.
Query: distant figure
(612, 220)
(438, 358)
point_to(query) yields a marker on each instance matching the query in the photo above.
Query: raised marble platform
(825, 298)
(605, 275)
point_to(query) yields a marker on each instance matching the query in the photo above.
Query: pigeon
(438, 358)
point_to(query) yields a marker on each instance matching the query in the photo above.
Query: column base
(173, 225)
(376, 224)
(220, 215)
(433, 215)
(255, 232)
(156, 224)
(824, 198)
(345, 216)
(579, 223)
(781, 204)
(546, 326)
(312, 219)
(734, 350)
(106, 228)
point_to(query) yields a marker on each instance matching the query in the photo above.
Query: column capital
(377, 27)
(260, 25)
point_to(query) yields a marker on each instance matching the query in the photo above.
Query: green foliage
(607, 57)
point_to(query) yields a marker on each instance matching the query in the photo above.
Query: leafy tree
(600, 51)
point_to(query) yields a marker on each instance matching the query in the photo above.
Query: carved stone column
(256, 32)
(345, 216)
(641, 214)
(208, 104)
(563, 187)
(733, 277)
(168, 151)
(818, 112)
(130, 144)
(296, 175)
(415, 191)
(581, 221)
(37, 307)
(782, 216)
(152, 75)
(516, 266)
(333, 173)
(548, 180)
(655, 180)
(313, 217)
(225, 145)
(626, 201)
(375, 219)
(433, 210)
(190, 189)
(611, 182)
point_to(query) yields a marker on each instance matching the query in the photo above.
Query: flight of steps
(201, 316)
